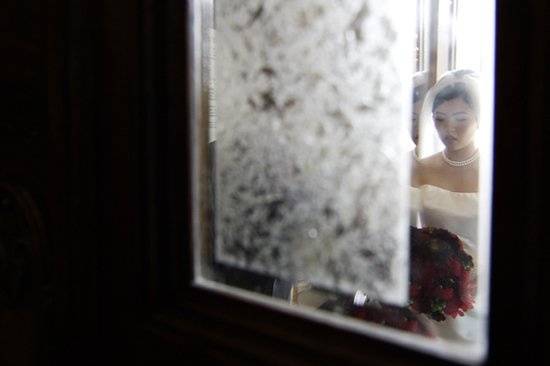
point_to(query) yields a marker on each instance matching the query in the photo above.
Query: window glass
(338, 174)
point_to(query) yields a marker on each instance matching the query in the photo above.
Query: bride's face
(456, 123)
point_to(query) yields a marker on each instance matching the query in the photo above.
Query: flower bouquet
(441, 283)
(403, 318)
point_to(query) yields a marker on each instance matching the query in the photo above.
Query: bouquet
(402, 318)
(441, 274)
(441, 283)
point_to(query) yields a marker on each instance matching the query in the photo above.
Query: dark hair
(453, 91)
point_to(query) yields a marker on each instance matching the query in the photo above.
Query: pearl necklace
(468, 161)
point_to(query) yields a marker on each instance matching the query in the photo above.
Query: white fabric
(415, 206)
(456, 212)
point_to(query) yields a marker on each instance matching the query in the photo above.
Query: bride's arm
(418, 173)
(415, 175)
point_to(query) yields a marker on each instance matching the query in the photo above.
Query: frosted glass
(312, 102)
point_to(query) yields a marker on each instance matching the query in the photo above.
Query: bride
(445, 184)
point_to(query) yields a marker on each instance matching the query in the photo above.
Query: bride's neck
(461, 154)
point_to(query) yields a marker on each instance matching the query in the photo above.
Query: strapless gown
(457, 212)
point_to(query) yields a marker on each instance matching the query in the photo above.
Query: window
(252, 53)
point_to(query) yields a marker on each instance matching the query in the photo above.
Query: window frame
(182, 314)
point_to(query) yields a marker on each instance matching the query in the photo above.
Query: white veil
(429, 142)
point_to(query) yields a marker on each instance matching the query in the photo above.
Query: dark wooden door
(97, 134)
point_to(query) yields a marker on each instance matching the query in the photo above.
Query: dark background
(96, 130)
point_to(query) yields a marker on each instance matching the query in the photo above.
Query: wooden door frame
(138, 263)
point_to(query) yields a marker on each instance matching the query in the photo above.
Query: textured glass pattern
(311, 173)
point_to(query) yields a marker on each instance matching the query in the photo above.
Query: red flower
(440, 283)
(456, 267)
(451, 309)
(440, 274)
(445, 293)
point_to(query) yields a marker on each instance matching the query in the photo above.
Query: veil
(429, 142)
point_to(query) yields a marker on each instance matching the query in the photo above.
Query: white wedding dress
(457, 212)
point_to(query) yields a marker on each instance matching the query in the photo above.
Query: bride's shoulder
(424, 169)
(432, 161)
